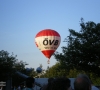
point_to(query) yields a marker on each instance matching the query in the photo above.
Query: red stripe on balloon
(48, 32)
(48, 53)
(36, 44)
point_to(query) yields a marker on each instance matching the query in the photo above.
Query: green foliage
(55, 71)
(9, 65)
(82, 53)
(6, 64)
(83, 49)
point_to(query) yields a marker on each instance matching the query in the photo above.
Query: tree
(55, 71)
(83, 49)
(9, 64)
(6, 64)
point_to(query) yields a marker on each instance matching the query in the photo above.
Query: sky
(21, 20)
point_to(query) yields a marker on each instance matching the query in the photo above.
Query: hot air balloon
(38, 70)
(47, 41)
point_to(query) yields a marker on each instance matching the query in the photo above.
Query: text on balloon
(50, 42)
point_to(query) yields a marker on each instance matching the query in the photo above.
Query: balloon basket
(48, 61)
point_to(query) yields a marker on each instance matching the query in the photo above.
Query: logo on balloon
(50, 42)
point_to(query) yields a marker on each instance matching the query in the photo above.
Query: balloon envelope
(47, 41)
(38, 70)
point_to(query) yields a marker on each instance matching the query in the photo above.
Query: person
(30, 83)
(47, 86)
(60, 83)
(81, 84)
(19, 88)
(90, 81)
